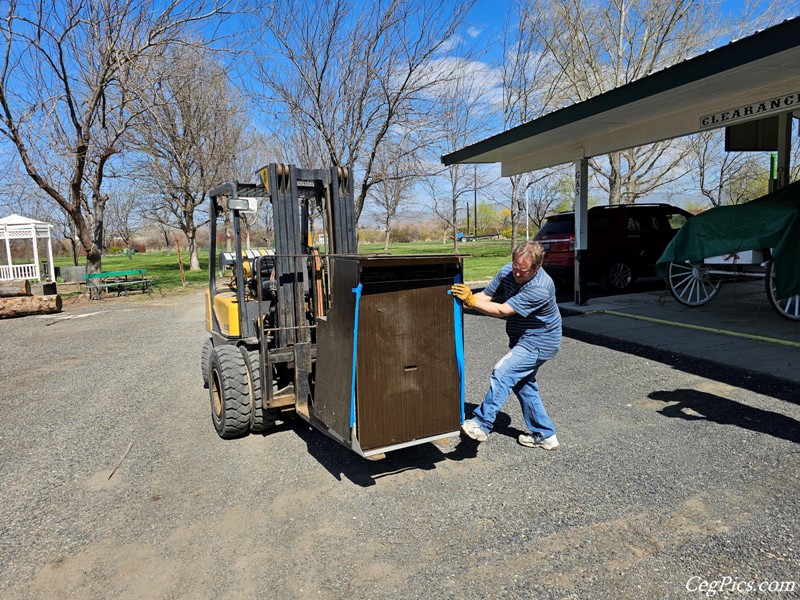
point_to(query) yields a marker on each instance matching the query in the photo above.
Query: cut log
(15, 287)
(20, 306)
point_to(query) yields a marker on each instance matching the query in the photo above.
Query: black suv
(624, 242)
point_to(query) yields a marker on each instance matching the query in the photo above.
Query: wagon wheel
(691, 284)
(787, 307)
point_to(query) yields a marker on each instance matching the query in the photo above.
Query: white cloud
(451, 43)
(483, 80)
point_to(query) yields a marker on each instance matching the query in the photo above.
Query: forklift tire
(205, 356)
(228, 389)
(261, 419)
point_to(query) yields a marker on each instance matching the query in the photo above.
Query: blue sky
(489, 16)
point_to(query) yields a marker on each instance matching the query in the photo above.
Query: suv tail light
(566, 244)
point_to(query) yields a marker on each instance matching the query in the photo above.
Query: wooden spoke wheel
(787, 307)
(691, 283)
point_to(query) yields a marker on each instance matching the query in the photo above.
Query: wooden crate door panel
(408, 382)
(334, 365)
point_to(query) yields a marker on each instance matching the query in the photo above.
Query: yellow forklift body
(226, 309)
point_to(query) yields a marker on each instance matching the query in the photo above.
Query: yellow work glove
(463, 293)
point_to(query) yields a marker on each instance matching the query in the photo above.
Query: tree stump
(15, 287)
(20, 306)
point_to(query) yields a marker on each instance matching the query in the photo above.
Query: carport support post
(784, 148)
(581, 221)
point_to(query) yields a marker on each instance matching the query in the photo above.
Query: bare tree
(712, 166)
(25, 198)
(734, 177)
(600, 45)
(750, 181)
(397, 171)
(549, 196)
(191, 129)
(464, 106)
(345, 73)
(253, 152)
(530, 83)
(160, 216)
(122, 218)
(451, 191)
(65, 85)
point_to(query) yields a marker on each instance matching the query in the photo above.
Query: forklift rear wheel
(228, 389)
(205, 355)
(261, 419)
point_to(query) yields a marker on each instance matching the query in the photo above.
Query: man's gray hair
(528, 249)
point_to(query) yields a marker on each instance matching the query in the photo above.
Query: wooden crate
(387, 367)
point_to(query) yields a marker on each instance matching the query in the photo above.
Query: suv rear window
(558, 226)
(676, 220)
(599, 222)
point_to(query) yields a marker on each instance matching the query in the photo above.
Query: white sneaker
(529, 441)
(473, 430)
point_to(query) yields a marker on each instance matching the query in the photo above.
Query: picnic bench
(119, 281)
(486, 236)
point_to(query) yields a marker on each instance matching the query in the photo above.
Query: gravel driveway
(665, 481)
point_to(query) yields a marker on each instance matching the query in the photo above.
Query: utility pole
(475, 201)
(527, 218)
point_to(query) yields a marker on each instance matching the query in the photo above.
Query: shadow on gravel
(502, 424)
(693, 405)
(342, 462)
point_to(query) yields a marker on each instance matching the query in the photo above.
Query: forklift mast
(296, 194)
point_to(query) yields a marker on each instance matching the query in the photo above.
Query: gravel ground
(664, 478)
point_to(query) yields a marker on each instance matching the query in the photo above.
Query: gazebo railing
(19, 272)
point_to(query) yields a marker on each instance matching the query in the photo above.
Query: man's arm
(484, 304)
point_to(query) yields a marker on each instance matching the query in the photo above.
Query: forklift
(368, 349)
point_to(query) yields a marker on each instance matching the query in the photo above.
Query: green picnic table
(119, 281)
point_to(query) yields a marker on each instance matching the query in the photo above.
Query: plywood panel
(334, 366)
(408, 381)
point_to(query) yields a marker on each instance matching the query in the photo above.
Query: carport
(751, 80)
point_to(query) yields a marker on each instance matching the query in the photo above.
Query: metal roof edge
(775, 39)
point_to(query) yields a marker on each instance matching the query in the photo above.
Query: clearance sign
(757, 109)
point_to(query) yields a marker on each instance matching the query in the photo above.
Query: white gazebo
(17, 227)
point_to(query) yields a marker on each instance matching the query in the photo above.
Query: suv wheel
(617, 275)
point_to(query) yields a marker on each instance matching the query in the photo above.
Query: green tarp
(772, 221)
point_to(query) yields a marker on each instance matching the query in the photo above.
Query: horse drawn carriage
(756, 240)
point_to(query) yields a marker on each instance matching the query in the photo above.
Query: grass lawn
(482, 258)
(161, 265)
(482, 261)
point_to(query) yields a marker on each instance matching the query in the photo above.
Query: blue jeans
(516, 372)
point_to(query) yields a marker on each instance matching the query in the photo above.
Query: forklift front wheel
(205, 356)
(229, 392)
(261, 419)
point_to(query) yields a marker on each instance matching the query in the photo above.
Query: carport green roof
(667, 104)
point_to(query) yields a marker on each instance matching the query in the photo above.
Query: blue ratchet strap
(357, 292)
(459, 337)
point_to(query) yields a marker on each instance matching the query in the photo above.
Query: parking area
(672, 477)
(739, 328)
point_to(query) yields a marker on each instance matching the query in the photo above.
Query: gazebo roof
(19, 227)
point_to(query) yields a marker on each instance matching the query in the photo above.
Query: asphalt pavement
(113, 483)
(738, 329)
